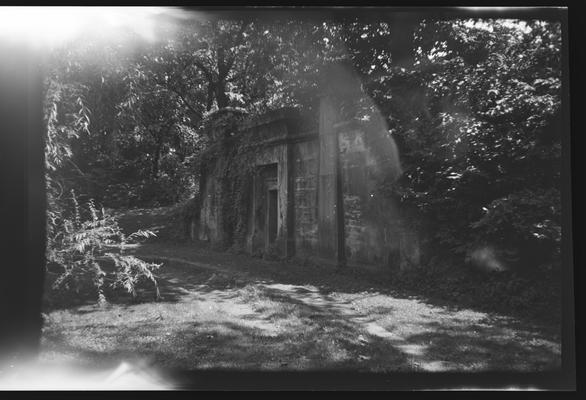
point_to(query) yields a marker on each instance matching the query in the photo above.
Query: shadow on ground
(211, 320)
(229, 311)
(236, 268)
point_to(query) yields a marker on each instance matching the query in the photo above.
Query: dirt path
(427, 337)
(233, 311)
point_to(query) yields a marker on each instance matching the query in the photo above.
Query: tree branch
(204, 69)
(243, 72)
(185, 101)
(210, 97)
(239, 41)
(76, 167)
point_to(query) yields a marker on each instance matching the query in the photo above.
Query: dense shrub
(506, 292)
(162, 191)
(526, 223)
(480, 139)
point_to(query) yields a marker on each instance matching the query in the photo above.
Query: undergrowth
(85, 257)
(507, 292)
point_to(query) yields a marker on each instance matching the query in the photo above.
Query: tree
(482, 143)
(231, 60)
(473, 104)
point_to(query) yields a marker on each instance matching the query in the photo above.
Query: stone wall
(305, 156)
(270, 134)
(316, 177)
(370, 223)
(210, 215)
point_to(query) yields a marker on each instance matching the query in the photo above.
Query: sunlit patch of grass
(252, 294)
(217, 319)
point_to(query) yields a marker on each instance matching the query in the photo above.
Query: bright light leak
(43, 27)
(126, 376)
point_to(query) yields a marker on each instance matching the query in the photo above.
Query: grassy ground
(232, 311)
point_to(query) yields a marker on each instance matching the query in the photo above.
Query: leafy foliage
(86, 241)
(480, 135)
(475, 108)
(506, 292)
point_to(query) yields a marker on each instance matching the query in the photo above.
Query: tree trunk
(157, 157)
(155, 172)
(210, 99)
(221, 96)
(402, 40)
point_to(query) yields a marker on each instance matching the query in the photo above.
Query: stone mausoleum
(313, 192)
